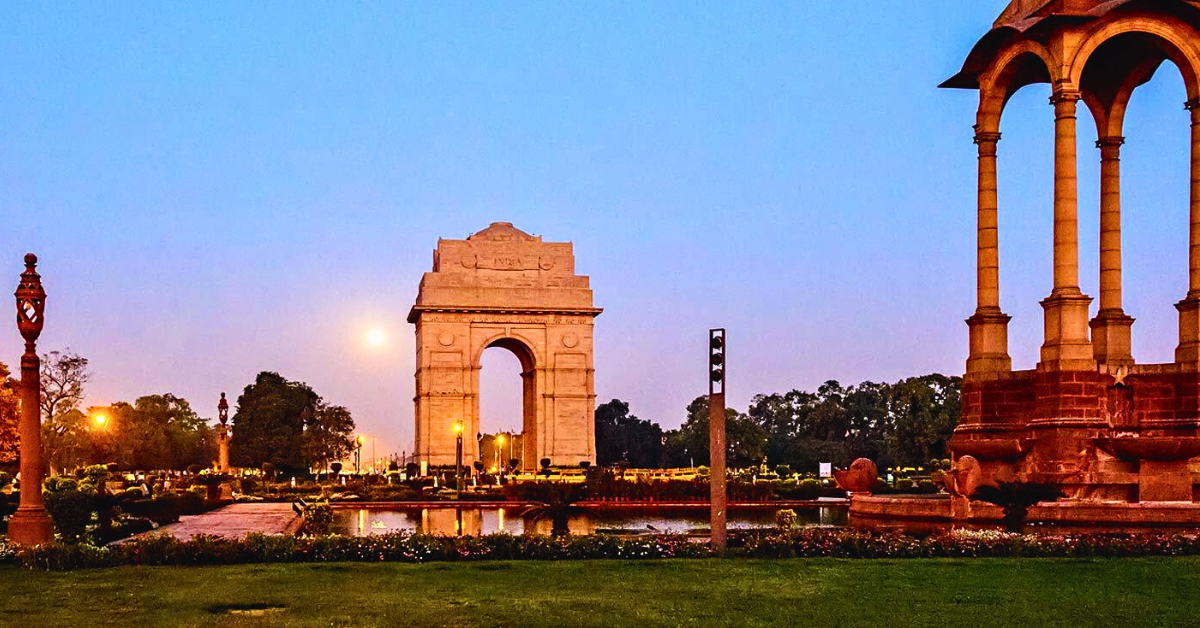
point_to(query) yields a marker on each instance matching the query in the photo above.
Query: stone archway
(502, 287)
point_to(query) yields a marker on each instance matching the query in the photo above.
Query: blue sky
(222, 188)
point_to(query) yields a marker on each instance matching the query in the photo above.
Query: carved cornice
(414, 315)
(982, 137)
(1065, 96)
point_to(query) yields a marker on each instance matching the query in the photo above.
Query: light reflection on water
(450, 520)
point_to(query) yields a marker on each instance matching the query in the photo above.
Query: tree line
(905, 423)
(278, 421)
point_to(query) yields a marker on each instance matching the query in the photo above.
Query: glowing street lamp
(458, 446)
(499, 449)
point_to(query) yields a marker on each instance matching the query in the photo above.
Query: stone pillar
(30, 524)
(1188, 351)
(223, 435)
(1066, 346)
(988, 327)
(223, 449)
(1111, 328)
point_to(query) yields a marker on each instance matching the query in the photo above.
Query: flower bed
(403, 547)
(965, 544)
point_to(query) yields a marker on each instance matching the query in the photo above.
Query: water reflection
(474, 521)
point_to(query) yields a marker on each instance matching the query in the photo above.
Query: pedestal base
(1067, 346)
(1111, 342)
(30, 526)
(988, 329)
(1188, 351)
(1164, 481)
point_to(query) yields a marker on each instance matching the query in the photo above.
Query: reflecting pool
(476, 520)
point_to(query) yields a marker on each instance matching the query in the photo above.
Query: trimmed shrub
(71, 509)
(248, 485)
(316, 519)
(162, 510)
(191, 502)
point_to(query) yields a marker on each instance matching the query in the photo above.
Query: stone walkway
(234, 521)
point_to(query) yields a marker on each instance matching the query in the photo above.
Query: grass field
(821, 592)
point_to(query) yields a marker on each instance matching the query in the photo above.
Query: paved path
(234, 521)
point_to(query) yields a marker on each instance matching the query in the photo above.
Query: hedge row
(403, 547)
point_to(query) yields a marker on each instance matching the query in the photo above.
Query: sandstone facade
(502, 287)
(1088, 417)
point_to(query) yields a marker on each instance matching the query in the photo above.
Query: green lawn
(820, 592)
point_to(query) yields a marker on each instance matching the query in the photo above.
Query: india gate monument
(502, 287)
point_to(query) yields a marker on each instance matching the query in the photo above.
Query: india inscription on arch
(502, 287)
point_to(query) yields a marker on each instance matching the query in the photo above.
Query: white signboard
(826, 469)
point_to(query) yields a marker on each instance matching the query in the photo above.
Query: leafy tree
(10, 416)
(745, 441)
(621, 436)
(63, 376)
(156, 432)
(65, 440)
(909, 421)
(327, 434)
(924, 412)
(286, 424)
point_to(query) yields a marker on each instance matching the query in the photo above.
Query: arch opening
(507, 411)
(1025, 219)
(1154, 193)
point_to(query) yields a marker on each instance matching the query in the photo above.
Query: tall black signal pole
(716, 435)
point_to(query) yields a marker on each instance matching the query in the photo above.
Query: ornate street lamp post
(30, 525)
(223, 435)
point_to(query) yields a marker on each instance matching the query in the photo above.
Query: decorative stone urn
(859, 478)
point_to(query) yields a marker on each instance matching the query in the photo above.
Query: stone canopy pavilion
(1088, 417)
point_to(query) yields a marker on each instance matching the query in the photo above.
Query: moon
(376, 338)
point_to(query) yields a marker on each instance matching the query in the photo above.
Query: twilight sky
(218, 189)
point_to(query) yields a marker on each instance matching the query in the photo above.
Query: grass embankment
(817, 592)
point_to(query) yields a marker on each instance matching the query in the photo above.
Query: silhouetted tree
(287, 424)
(746, 442)
(621, 436)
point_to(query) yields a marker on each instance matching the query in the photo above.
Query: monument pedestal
(30, 526)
